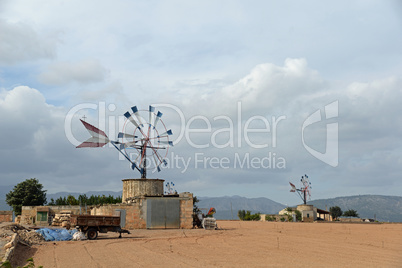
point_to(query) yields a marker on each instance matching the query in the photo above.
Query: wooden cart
(90, 225)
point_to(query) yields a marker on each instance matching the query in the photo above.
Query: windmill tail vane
(146, 138)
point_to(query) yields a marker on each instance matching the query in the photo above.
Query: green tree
(26, 193)
(247, 216)
(336, 212)
(196, 210)
(71, 200)
(351, 213)
(298, 215)
(241, 214)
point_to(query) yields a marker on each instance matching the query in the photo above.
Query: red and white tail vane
(293, 187)
(98, 137)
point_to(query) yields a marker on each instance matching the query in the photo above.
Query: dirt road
(238, 244)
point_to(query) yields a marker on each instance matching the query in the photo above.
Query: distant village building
(309, 213)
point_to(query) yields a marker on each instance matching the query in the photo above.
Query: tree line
(84, 200)
(30, 193)
(337, 212)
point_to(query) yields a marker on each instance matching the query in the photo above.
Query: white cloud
(33, 143)
(83, 72)
(204, 61)
(20, 42)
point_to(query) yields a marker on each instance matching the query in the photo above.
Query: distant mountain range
(383, 208)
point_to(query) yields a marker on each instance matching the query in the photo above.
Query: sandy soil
(237, 244)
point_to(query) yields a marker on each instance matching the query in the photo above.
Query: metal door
(163, 213)
(122, 214)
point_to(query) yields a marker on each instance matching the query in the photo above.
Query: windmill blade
(151, 113)
(129, 117)
(158, 117)
(156, 163)
(166, 142)
(125, 135)
(133, 165)
(137, 115)
(98, 137)
(128, 144)
(169, 132)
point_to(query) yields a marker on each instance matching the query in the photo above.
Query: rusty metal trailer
(91, 225)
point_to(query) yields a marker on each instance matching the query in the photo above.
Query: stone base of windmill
(139, 188)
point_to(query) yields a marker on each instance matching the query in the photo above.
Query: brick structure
(186, 210)
(136, 211)
(6, 216)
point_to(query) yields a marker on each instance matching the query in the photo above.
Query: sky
(256, 93)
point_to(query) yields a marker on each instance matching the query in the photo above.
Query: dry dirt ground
(236, 244)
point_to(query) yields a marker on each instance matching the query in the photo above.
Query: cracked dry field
(236, 244)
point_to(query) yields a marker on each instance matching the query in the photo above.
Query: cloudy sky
(256, 93)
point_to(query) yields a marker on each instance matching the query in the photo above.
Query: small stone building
(43, 215)
(145, 206)
(309, 213)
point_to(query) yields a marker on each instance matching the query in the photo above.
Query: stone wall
(135, 188)
(186, 210)
(6, 216)
(136, 211)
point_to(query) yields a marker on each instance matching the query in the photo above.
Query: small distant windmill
(305, 189)
(170, 190)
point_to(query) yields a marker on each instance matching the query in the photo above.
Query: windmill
(144, 140)
(169, 189)
(304, 190)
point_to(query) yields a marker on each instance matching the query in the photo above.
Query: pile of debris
(62, 219)
(13, 227)
(29, 238)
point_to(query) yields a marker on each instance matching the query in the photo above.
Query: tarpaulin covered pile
(56, 234)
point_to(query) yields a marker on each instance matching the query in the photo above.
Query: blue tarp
(56, 234)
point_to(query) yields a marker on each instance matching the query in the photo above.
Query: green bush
(247, 216)
(298, 215)
(282, 219)
(269, 218)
